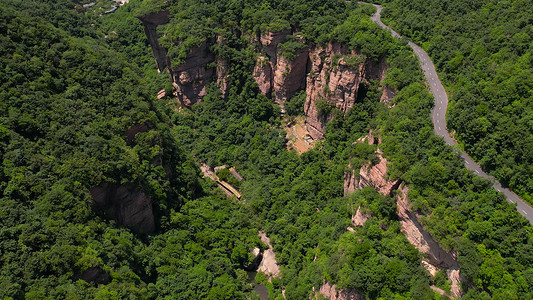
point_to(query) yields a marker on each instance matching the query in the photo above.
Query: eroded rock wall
(289, 75)
(330, 291)
(339, 77)
(150, 23)
(191, 78)
(375, 175)
(126, 205)
(332, 73)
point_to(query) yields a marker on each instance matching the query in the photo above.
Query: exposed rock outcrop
(191, 78)
(388, 94)
(289, 75)
(418, 237)
(263, 75)
(375, 175)
(330, 291)
(270, 41)
(341, 78)
(360, 218)
(351, 182)
(332, 73)
(94, 275)
(127, 205)
(150, 22)
(269, 264)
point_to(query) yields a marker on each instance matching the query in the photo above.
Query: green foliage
(150, 6)
(324, 108)
(291, 45)
(295, 106)
(482, 50)
(69, 95)
(67, 104)
(224, 174)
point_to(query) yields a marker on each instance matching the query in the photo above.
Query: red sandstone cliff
(190, 78)
(332, 73)
(375, 175)
(341, 78)
(263, 75)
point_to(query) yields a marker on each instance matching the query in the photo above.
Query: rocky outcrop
(388, 94)
(420, 238)
(351, 182)
(125, 204)
(191, 78)
(150, 23)
(437, 258)
(339, 77)
(93, 275)
(329, 291)
(375, 175)
(270, 41)
(333, 74)
(360, 218)
(263, 75)
(289, 75)
(269, 264)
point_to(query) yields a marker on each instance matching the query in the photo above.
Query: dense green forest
(74, 83)
(483, 51)
(67, 99)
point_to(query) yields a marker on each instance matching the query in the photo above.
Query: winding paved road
(438, 116)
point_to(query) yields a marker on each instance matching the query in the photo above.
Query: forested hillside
(79, 115)
(483, 51)
(68, 102)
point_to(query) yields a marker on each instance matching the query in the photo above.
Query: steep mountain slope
(483, 52)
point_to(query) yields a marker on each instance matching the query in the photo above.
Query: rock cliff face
(329, 291)
(263, 75)
(289, 76)
(150, 22)
(376, 176)
(270, 41)
(128, 206)
(341, 78)
(191, 78)
(333, 73)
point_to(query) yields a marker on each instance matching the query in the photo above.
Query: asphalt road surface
(438, 116)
